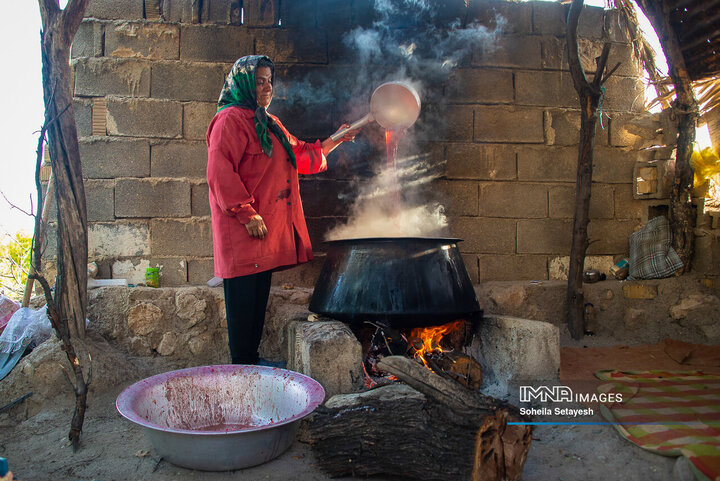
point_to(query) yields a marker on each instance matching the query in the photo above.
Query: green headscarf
(240, 90)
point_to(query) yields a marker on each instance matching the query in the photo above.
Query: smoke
(409, 41)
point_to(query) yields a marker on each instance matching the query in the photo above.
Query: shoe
(268, 363)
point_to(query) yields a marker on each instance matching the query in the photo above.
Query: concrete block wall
(510, 148)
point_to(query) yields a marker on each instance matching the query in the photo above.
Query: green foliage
(14, 263)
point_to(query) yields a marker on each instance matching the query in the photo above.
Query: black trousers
(246, 299)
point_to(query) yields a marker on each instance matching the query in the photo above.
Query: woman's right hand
(256, 227)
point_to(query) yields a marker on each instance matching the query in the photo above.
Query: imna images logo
(545, 394)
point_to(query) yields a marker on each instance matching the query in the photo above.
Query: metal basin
(219, 418)
(404, 282)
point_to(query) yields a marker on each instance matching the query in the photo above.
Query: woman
(257, 217)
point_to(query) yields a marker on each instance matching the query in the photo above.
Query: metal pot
(403, 282)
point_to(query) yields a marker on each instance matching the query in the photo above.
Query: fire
(429, 338)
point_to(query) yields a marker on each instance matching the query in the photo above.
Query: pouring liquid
(392, 140)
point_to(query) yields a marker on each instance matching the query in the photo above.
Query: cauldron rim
(450, 240)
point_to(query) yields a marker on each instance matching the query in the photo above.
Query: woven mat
(677, 413)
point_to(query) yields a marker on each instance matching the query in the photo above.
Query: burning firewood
(434, 430)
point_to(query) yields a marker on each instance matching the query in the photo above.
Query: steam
(409, 42)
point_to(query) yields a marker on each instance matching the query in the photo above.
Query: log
(432, 435)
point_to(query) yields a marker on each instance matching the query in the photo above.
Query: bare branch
(600, 63)
(604, 79)
(576, 69)
(13, 206)
(72, 16)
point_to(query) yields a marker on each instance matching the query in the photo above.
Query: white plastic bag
(8, 307)
(25, 326)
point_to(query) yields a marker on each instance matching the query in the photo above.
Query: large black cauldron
(403, 282)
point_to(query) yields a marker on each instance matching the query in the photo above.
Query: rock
(512, 296)
(143, 318)
(191, 305)
(634, 318)
(699, 311)
(328, 352)
(168, 343)
(197, 344)
(514, 350)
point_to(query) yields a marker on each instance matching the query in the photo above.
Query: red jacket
(244, 181)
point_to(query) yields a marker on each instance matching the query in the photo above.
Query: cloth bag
(651, 252)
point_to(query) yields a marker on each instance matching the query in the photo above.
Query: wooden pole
(590, 95)
(685, 110)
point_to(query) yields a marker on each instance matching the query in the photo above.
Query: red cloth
(244, 181)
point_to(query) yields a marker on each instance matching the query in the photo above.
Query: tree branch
(578, 73)
(72, 16)
(600, 63)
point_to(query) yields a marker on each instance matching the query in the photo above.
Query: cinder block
(613, 166)
(133, 270)
(615, 27)
(519, 51)
(285, 45)
(471, 266)
(104, 158)
(484, 236)
(562, 127)
(460, 197)
(505, 124)
(549, 18)
(152, 198)
(512, 199)
(199, 202)
(82, 109)
(624, 93)
(516, 17)
(482, 162)
(459, 124)
(119, 239)
(546, 89)
(544, 236)
(546, 163)
(196, 119)
(178, 159)
(559, 267)
(187, 81)
(318, 228)
(144, 118)
(142, 40)
(590, 24)
(173, 270)
(176, 11)
(480, 86)
(513, 350)
(200, 271)
(513, 268)
(222, 12)
(633, 290)
(325, 198)
(562, 202)
(114, 10)
(626, 206)
(88, 40)
(610, 236)
(328, 352)
(261, 13)
(190, 237)
(100, 200)
(302, 13)
(98, 77)
(215, 43)
(634, 130)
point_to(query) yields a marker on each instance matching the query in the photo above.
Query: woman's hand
(256, 227)
(328, 145)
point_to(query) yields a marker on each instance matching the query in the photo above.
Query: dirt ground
(114, 449)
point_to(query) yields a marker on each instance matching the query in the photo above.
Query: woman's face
(263, 86)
